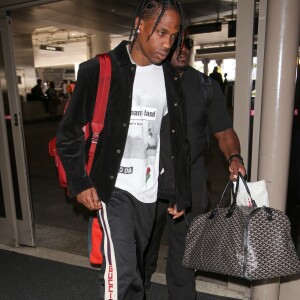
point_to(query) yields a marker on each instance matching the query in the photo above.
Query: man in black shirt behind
(218, 77)
(37, 91)
(205, 113)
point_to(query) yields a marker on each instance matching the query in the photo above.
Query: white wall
(74, 53)
(24, 63)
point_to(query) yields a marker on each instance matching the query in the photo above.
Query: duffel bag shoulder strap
(100, 104)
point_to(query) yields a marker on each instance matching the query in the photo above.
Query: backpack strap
(100, 105)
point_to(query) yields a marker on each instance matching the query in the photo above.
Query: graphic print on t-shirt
(142, 135)
(138, 171)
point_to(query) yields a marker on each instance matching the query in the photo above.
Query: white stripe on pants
(126, 224)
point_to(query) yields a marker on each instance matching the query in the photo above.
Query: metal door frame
(9, 228)
(13, 230)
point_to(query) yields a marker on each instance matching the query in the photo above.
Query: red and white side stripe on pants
(110, 275)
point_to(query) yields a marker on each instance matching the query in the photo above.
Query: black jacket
(206, 113)
(70, 139)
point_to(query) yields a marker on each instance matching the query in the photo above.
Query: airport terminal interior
(47, 40)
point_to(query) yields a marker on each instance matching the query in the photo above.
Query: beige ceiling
(112, 16)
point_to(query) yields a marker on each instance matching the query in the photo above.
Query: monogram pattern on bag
(271, 252)
(217, 245)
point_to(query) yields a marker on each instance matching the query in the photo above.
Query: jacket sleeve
(70, 139)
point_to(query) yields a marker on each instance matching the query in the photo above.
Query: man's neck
(135, 55)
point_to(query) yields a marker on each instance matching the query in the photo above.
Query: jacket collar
(122, 54)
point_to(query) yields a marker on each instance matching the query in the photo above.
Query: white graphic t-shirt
(139, 168)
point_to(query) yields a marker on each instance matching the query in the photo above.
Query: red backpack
(95, 233)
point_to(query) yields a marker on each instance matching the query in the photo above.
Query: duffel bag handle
(233, 205)
(234, 192)
(247, 189)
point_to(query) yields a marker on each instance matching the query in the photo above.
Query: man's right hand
(89, 198)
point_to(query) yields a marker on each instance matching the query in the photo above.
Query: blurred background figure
(37, 91)
(53, 99)
(65, 89)
(217, 77)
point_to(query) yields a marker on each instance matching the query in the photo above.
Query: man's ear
(137, 19)
(136, 22)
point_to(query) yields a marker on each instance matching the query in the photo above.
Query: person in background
(39, 94)
(202, 115)
(53, 99)
(65, 89)
(217, 77)
(37, 91)
(225, 79)
(70, 88)
(225, 88)
(122, 185)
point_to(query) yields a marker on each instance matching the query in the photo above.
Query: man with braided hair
(122, 186)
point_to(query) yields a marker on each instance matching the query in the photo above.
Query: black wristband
(237, 156)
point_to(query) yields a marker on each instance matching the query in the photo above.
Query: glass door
(16, 221)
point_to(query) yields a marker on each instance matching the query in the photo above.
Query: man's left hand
(172, 210)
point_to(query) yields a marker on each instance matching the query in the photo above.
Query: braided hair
(151, 8)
